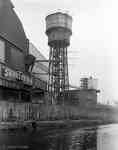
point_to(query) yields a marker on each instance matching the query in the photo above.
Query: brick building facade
(81, 97)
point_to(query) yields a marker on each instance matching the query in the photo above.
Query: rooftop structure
(40, 69)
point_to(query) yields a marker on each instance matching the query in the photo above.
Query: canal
(93, 138)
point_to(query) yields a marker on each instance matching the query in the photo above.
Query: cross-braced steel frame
(58, 73)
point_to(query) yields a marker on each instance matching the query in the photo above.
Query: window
(2, 51)
(17, 59)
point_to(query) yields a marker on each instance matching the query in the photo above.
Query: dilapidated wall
(10, 111)
(82, 98)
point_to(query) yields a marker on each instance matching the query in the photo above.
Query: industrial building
(17, 82)
(82, 98)
(88, 83)
(85, 96)
(13, 50)
(40, 68)
(40, 74)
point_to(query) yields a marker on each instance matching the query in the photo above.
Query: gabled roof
(10, 25)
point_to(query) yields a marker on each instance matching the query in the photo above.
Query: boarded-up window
(17, 59)
(2, 51)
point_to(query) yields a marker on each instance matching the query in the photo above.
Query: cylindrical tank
(92, 83)
(59, 29)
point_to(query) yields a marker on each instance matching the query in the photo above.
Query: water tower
(58, 30)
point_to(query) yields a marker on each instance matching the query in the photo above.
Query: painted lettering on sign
(16, 75)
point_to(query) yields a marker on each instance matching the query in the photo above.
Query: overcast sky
(94, 41)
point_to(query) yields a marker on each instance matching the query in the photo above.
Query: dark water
(96, 138)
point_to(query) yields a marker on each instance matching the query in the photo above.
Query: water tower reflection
(77, 140)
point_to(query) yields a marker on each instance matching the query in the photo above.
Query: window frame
(3, 41)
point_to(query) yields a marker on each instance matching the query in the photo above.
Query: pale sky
(94, 41)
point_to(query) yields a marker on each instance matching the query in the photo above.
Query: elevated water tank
(58, 29)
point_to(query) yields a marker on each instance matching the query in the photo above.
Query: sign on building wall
(8, 78)
(15, 75)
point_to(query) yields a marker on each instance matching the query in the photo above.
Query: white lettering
(6, 73)
(17, 76)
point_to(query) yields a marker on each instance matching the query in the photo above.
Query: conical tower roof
(10, 25)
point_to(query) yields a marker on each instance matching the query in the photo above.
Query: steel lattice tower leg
(58, 73)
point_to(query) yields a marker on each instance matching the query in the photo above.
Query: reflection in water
(85, 140)
(107, 137)
(76, 140)
(101, 138)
